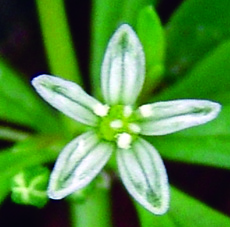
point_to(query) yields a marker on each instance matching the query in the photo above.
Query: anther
(116, 124)
(145, 110)
(124, 140)
(101, 110)
(127, 111)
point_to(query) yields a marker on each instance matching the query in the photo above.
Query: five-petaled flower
(116, 126)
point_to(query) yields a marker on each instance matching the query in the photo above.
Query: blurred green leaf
(196, 27)
(31, 152)
(209, 79)
(184, 211)
(207, 144)
(148, 219)
(207, 150)
(106, 17)
(12, 134)
(150, 32)
(57, 39)
(187, 211)
(19, 103)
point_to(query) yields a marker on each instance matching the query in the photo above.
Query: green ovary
(120, 123)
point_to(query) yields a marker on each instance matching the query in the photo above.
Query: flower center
(118, 126)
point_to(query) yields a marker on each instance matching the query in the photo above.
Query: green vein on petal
(144, 176)
(123, 68)
(171, 116)
(78, 164)
(67, 97)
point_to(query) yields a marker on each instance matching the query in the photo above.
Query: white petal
(80, 161)
(123, 68)
(67, 97)
(167, 117)
(144, 175)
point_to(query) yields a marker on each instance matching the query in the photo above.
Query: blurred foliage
(20, 104)
(29, 186)
(191, 53)
(184, 211)
(30, 152)
(106, 18)
(196, 27)
(151, 34)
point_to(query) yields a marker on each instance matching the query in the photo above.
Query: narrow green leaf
(151, 34)
(106, 17)
(57, 39)
(207, 144)
(148, 219)
(20, 105)
(32, 151)
(196, 27)
(184, 211)
(130, 10)
(209, 79)
(200, 150)
(104, 21)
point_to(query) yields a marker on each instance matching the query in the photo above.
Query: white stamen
(145, 110)
(124, 140)
(116, 124)
(134, 128)
(127, 111)
(101, 110)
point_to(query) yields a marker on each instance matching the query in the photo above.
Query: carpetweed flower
(116, 126)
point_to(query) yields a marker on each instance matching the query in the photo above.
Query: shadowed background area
(21, 45)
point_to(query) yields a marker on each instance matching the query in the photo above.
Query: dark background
(21, 45)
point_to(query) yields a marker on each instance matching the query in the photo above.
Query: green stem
(57, 39)
(94, 212)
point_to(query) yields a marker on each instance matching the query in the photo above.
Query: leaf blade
(180, 210)
(192, 32)
(20, 105)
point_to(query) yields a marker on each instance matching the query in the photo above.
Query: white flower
(117, 126)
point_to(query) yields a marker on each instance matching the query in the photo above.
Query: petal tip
(217, 108)
(58, 194)
(53, 195)
(125, 28)
(36, 80)
(123, 68)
